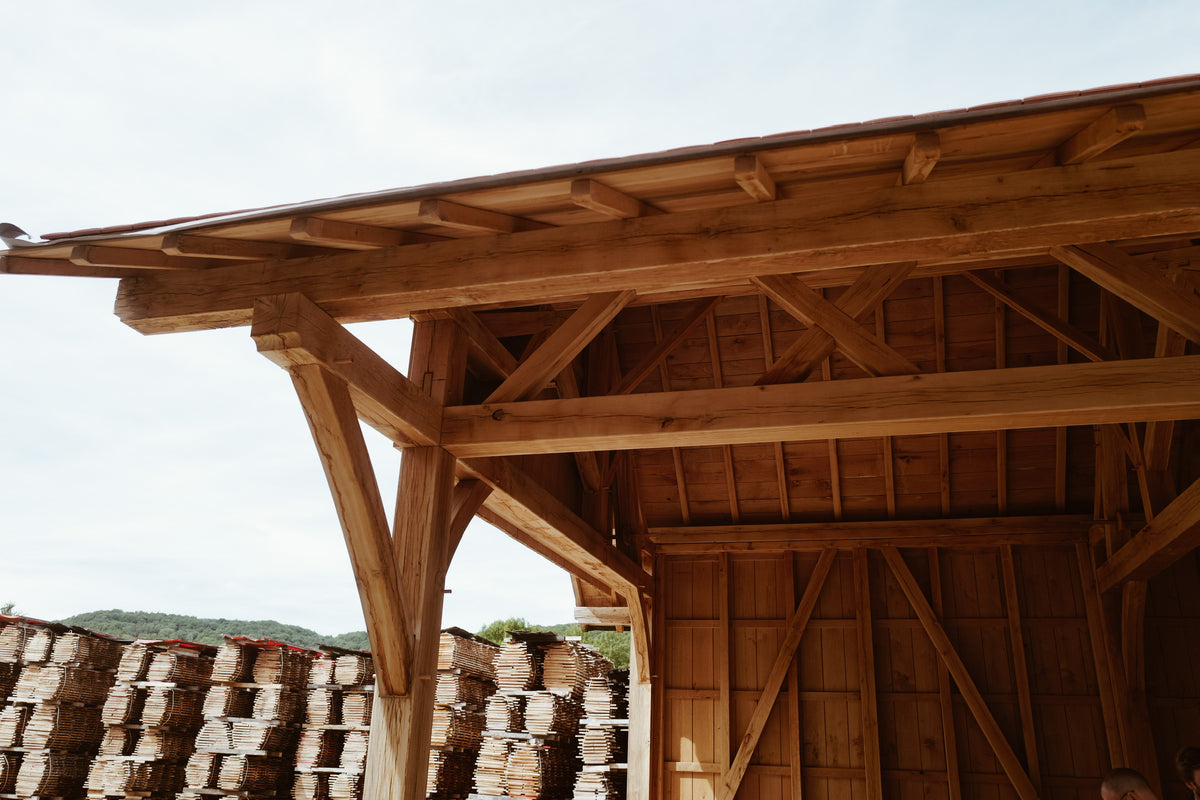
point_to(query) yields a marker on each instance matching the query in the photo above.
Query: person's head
(1187, 763)
(1126, 784)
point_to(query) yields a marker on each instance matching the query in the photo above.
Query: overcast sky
(176, 473)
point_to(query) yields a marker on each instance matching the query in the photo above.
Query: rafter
(448, 214)
(603, 199)
(752, 175)
(1142, 285)
(986, 400)
(190, 244)
(1115, 126)
(813, 230)
(561, 347)
(488, 353)
(1173, 532)
(638, 373)
(354, 234)
(922, 158)
(865, 350)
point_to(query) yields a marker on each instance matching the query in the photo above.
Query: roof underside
(1055, 233)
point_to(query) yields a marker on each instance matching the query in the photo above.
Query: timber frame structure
(882, 439)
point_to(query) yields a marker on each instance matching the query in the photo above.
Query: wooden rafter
(190, 244)
(966, 685)
(946, 703)
(1150, 195)
(986, 400)
(354, 235)
(866, 677)
(751, 175)
(468, 497)
(922, 158)
(699, 312)
(865, 350)
(1174, 532)
(775, 678)
(1016, 637)
(604, 199)
(488, 354)
(1113, 127)
(468, 218)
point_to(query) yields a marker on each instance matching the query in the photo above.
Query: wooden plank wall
(723, 617)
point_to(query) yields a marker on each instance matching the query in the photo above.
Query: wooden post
(398, 759)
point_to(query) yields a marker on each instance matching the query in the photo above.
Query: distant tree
(496, 631)
(612, 645)
(8, 609)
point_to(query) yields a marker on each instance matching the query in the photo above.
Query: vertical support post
(645, 747)
(724, 720)
(866, 678)
(398, 759)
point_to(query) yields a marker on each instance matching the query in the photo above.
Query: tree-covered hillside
(614, 646)
(153, 625)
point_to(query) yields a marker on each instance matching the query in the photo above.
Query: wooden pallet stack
(530, 746)
(152, 715)
(465, 681)
(246, 746)
(604, 738)
(332, 753)
(57, 679)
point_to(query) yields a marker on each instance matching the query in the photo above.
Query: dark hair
(1123, 779)
(1187, 761)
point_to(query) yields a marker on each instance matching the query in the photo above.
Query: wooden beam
(1016, 636)
(468, 497)
(190, 244)
(1052, 324)
(865, 350)
(872, 764)
(23, 265)
(966, 686)
(604, 199)
(605, 616)
(94, 255)
(488, 354)
(945, 700)
(986, 400)
(1174, 532)
(1115, 126)
(1140, 284)
(354, 234)
(815, 344)
(334, 425)
(966, 532)
(293, 331)
(561, 347)
(752, 176)
(1108, 676)
(814, 230)
(774, 681)
(922, 158)
(697, 314)
(468, 218)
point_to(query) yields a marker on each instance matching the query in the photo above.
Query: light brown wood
(1174, 532)
(1150, 195)
(604, 616)
(606, 200)
(190, 244)
(331, 418)
(488, 354)
(865, 350)
(1138, 283)
(872, 764)
(1016, 636)
(752, 176)
(1115, 126)
(1108, 681)
(945, 701)
(104, 256)
(775, 678)
(468, 497)
(455, 215)
(353, 234)
(966, 685)
(986, 400)
(922, 158)
(292, 331)
(558, 350)
(655, 356)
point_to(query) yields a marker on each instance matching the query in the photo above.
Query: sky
(175, 473)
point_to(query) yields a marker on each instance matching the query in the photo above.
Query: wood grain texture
(1174, 532)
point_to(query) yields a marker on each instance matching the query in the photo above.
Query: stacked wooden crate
(152, 715)
(465, 681)
(56, 679)
(604, 738)
(252, 716)
(530, 747)
(333, 742)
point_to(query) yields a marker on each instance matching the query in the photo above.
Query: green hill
(154, 625)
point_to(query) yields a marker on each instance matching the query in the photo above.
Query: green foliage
(614, 646)
(153, 625)
(8, 609)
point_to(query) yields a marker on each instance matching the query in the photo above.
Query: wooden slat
(1108, 681)
(23, 265)
(1148, 196)
(1016, 635)
(815, 344)
(354, 234)
(1115, 126)
(922, 158)
(865, 350)
(92, 255)
(488, 354)
(751, 175)
(561, 347)
(1137, 282)
(190, 244)
(1055, 326)
(334, 425)
(774, 681)
(654, 358)
(292, 331)
(606, 200)
(1174, 532)
(872, 764)
(945, 701)
(1018, 397)
(455, 215)
(966, 685)
(607, 616)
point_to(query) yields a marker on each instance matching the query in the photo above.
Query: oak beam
(190, 244)
(1173, 532)
(754, 178)
(354, 234)
(561, 347)
(775, 678)
(468, 497)
(293, 331)
(1139, 283)
(985, 400)
(334, 425)
(865, 350)
(814, 230)
(1115, 126)
(966, 686)
(468, 218)
(698, 313)
(604, 199)
(922, 158)
(872, 764)
(488, 354)
(604, 616)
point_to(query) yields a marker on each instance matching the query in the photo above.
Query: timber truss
(975, 329)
